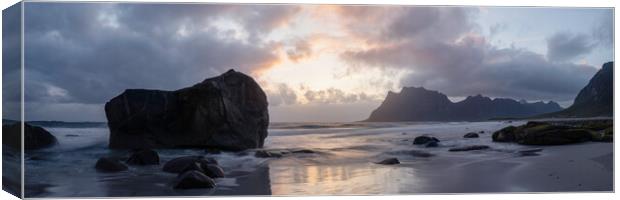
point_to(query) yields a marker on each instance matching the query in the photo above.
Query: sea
(343, 162)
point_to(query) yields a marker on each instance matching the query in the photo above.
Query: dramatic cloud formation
(566, 46)
(308, 58)
(88, 53)
(446, 54)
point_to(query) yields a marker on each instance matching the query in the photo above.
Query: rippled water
(343, 164)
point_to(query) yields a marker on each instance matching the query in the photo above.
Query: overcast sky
(316, 63)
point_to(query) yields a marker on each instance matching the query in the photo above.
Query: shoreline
(344, 164)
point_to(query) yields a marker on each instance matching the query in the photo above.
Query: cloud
(334, 96)
(446, 53)
(11, 62)
(84, 54)
(603, 32)
(283, 95)
(88, 53)
(564, 46)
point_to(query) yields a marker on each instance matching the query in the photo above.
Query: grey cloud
(334, 96)
(429, 23)
(497, 28)
(11, 62)
(89, 52)
(283, 95)
(564, 46)
(603, 32)
(74, 58)
(462, 63)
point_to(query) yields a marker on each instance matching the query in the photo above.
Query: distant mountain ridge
(595, 100)
(420, 104)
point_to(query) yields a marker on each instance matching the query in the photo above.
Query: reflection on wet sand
(353, 178)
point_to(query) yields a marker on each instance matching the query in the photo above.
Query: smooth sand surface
(568, 168)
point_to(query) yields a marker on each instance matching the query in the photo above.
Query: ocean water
(343, 163)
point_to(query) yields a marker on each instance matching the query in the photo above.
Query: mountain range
(420, 104)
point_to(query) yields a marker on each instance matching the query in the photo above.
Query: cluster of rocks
(193, 171)
(558, 133)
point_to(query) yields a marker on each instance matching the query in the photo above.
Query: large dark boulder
(34, 137)
(543, 133)
(506, 134)
(144, 157)
(224, 112)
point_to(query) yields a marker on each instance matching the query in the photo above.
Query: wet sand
(586, 167)
(343, 164)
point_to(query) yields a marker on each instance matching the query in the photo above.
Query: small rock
(424, 139)
(303, 151)
(194, 166)
(529, 152)
(432, 144)
(194, 179)
(106, 164)
(144, 157)
(178, 164)
(470, 148)
(71, 135)
(267, 154)
(389, 161)
(213, 171)
(481, 132)
(471, 135)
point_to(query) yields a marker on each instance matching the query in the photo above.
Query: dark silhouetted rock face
(595, 99)
(419, 104)
(34, 137)
(226, 112)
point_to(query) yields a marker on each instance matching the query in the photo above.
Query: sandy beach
(341, 161)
